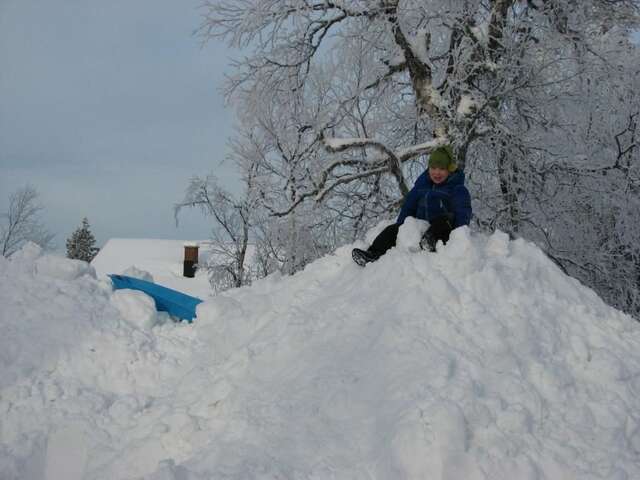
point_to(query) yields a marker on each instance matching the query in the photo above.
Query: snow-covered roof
(162, 259)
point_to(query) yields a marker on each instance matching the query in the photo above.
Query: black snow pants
(439, 229)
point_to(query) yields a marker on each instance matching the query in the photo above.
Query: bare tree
(230, 235)
(537, 97)
(441, 54)
(462, 72)
(21, 222)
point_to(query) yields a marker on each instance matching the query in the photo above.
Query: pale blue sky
(107, 109)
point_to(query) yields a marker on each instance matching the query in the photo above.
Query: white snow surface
(480, 361)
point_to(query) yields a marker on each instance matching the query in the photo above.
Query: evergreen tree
(81, 244)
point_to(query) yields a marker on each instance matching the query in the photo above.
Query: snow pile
(136, 307)
(77, 365)
(482, 360)
(40, 316)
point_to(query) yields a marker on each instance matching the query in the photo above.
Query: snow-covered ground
(480, 361)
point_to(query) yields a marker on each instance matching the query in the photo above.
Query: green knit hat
(442, 157)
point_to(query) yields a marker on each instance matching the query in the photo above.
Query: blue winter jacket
(428, 201)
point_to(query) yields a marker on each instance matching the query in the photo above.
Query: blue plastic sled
(167, 300)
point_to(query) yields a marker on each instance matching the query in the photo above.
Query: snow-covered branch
(393, 161)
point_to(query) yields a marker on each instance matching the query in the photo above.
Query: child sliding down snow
(438, 196)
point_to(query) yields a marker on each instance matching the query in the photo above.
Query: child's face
(438, 175)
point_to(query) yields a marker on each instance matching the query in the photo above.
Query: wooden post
(190, 260)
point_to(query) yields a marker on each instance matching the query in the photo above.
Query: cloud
(117, 91)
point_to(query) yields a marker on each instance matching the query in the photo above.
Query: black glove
(439, 229)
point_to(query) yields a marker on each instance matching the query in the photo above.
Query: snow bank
(482, 360)
(77, 365)
(47, 305)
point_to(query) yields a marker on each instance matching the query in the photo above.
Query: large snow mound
(480, 361)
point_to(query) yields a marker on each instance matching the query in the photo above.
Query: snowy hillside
(481, 361)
